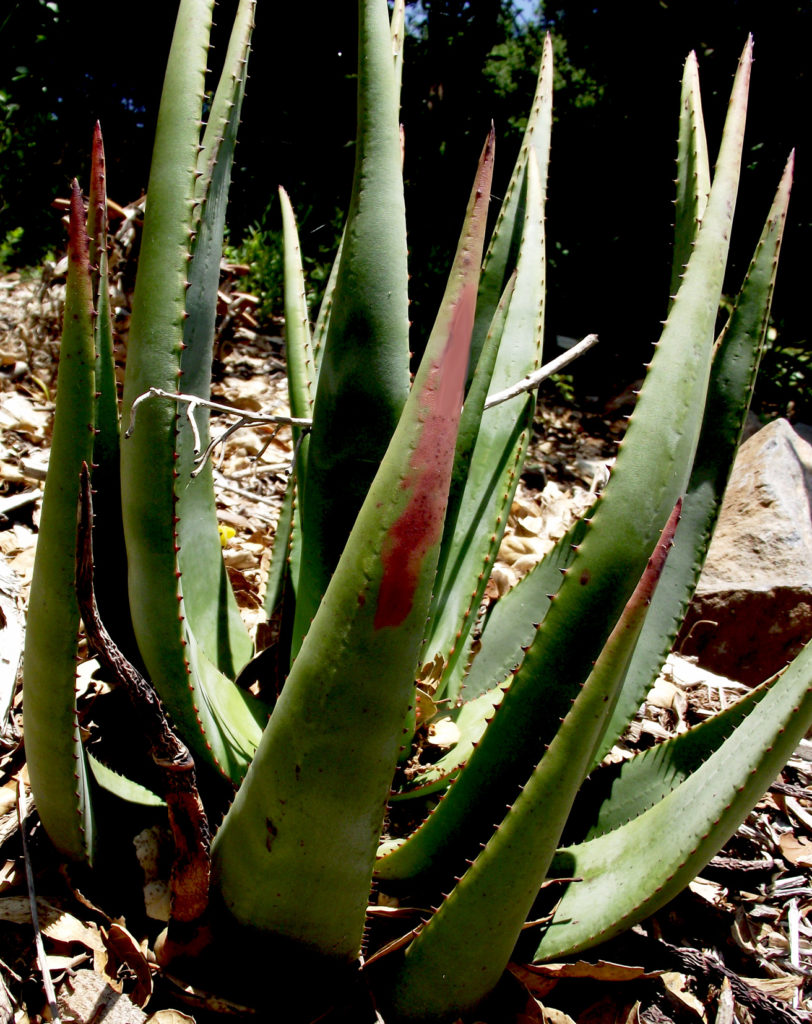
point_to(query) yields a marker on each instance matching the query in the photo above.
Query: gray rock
(752, 611)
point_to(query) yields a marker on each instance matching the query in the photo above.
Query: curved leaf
(308, 816)
(56, 760)
(620, 881)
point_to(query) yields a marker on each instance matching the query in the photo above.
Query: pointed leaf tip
(439, 392)
(77, 231)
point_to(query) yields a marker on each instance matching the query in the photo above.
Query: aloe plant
(391, 524)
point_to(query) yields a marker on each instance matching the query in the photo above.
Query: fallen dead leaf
(241, 558)
(11, 875)
(553, 1016)
(196, 997)
(799, 812)
(529, 525)
(633, 1016)
(18, 413)
(531, 1013)
(8, 798)
(796, 850)
(782, 988)
(425, 709)
(121, 949)
(678, 992)
(726, 1005)
(601, 970)
(710, 892)
(169, 1017)
(607, 1010)
(58, 962)
(56, 924)
(663, 694)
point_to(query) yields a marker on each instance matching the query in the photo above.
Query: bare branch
(194, 401)
(244, 418)
(532, 380)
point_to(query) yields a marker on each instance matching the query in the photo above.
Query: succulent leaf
(356, 664)
(513, 620)
(211, 612)
(693, 171)
(493, 446)
(56, 760)
(616, 793)
(648, 479)
(122, 787)
(621, 882)
(165, 513)
(507, 633)
(111, 571)
(364, 376)
(733, 374)
(458, 956)
(504, 245)
(156, 340)
(392, 573)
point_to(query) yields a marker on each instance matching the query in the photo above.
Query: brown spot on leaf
(419, 527)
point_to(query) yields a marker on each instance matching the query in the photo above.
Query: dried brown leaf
(55, 924)
(607, 1010)
(124, 951)
(169, 1017)
(443, 733)
(726, 1005)
(601, 970)
(799, 812)
(796, 850)
(678, 992)
(553, 1016)
(782, 988)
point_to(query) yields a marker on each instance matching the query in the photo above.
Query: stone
(752, 612)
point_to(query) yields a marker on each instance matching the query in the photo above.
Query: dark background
(65, 64)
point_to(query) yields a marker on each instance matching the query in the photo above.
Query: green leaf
(56, 761)
(211, 610)
(364, 376)
(620, 881)
(122, 787)
(110, 573)
(616, 793)
(733, 375)
(650, 475)
(693, 172)
(492, 448)
(458, 956)
(308, 816)
(169, 521)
